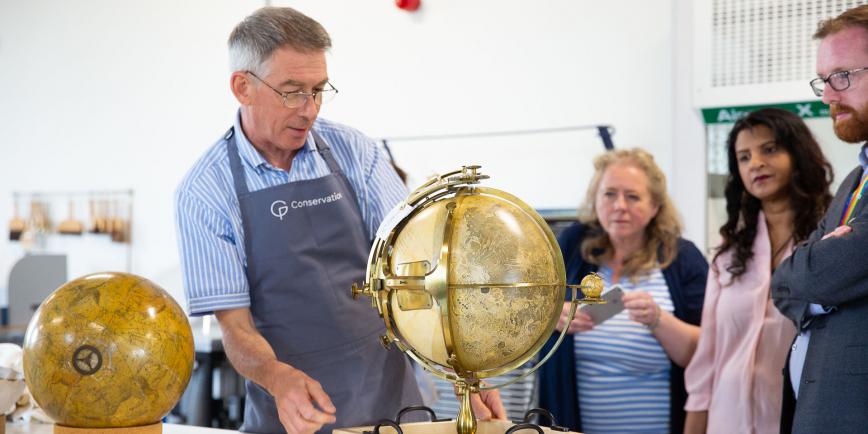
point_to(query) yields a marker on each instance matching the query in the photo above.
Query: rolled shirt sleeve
(213, 273)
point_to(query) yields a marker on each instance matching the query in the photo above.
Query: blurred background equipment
(31, 280)
(16, 225)
(70, 226)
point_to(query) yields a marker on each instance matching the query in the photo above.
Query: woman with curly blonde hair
(626, 374)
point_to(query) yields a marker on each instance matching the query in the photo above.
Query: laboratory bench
(44, 428)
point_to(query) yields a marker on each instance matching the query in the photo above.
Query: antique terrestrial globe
(108, 351)
(469, 281)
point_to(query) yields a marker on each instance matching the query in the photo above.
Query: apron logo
(279, 209)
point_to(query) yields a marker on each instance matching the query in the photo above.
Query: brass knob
(387, 343)
(592, 286)
(357, 291)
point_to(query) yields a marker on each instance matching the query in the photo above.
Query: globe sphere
(108, 350)
(483, 282)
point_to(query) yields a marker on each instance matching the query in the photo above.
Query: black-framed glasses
(299, 98)
(837, 80)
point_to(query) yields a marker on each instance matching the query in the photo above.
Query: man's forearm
(250, 354)
(826, 272)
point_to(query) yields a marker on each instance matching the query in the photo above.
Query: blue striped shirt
(208, 218)
(622, 372)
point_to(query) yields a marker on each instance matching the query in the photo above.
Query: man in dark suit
(823, 286)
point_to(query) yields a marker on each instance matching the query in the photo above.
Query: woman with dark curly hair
(777, 192)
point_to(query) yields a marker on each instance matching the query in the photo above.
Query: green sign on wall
(728, 115)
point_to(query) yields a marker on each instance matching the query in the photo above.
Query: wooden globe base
(156, 428)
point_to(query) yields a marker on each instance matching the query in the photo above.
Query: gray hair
(253, 40)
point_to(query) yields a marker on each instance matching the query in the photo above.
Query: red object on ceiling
(408, 5)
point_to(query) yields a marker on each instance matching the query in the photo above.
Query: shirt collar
(252, 156)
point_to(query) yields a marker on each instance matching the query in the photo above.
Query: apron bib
(306, 244)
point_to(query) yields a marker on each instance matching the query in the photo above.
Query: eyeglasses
(837, 80)
(299, 98)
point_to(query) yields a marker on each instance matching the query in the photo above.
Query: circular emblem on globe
(86, 360)
(108, 350)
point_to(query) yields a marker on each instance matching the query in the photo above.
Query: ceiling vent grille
(767, 41)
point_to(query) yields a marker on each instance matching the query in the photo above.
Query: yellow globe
(108, 350)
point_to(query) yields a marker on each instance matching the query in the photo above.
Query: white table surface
(169, 428)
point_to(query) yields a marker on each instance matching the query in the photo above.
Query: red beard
(853, 130)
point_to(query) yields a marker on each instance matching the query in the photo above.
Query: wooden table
(169, 428)
(448, 427)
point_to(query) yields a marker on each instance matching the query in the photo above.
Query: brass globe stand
(466, 420)
(470, 283)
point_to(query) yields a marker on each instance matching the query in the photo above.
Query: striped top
(622, 372)
(208, 217)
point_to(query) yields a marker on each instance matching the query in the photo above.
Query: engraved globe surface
(494, 263)
(108, 350)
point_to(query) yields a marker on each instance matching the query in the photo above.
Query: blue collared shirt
(208, 218)
(800, 346)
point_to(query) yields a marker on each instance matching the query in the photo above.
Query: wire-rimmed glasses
(299, 98)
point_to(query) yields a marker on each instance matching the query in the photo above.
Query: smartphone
(602, 312)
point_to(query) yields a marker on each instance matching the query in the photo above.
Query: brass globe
(498, 281)
(469, 280)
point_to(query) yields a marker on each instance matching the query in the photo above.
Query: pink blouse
(736, 372)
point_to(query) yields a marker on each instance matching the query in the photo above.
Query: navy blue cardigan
(686, 278)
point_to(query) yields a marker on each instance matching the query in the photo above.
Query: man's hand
(487, 405)
(840, 231)
(580, 323)
(295, 394)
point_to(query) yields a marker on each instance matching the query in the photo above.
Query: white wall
(102, 94)
(688, 176)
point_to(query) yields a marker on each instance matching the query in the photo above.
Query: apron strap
(235, 163)
(326, 152)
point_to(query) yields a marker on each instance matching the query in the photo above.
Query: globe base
(156, 428)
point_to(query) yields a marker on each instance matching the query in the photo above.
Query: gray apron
(306, 244)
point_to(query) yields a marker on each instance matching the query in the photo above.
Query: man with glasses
(274, 225)
(823, 286)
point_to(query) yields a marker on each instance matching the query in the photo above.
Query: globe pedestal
(466, 422)
(156, 428)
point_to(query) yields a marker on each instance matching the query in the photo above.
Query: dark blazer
(833, 394)
(686, 278)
